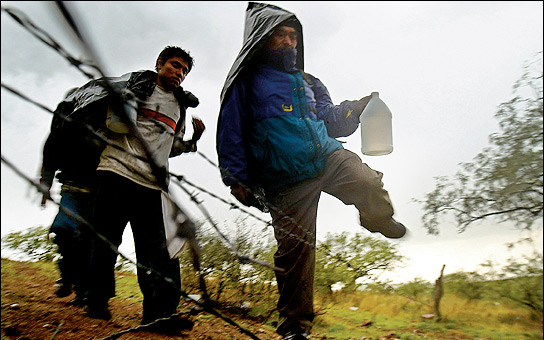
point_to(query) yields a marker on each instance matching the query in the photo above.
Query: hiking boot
(63, 289)
(97, 311)
(391, 229)
(299, 335)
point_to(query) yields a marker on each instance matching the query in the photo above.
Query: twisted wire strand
(158, 171)
(19, 17)
(245, 259)
(43, 36)
(47, 39)
(205, 305)
(300, 239)
(95, 134)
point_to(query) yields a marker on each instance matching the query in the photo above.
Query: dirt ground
(31, 311)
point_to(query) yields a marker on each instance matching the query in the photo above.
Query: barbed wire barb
(307, 238)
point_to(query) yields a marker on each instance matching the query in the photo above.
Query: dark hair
(174, 51)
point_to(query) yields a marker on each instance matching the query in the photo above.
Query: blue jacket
(278, 125)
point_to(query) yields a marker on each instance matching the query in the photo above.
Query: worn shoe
(391, 229)
(296, 336)
(172, 326)
(63, 289)
(78, 301)
(98, 312)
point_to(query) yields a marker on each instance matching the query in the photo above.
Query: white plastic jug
(376, 128)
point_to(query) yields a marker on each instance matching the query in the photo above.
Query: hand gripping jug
(376, 128)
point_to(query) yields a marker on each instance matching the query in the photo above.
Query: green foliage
(519, 281)
(32, 243)
(467, 285)
(353, 260)
(416, 289)
(228, 280)
(380, 316)
(35, 244)
(376, 316)
(505, 179)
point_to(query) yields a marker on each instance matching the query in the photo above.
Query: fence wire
(308, 238)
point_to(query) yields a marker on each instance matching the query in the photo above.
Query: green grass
(391, 313)
(126, 287)
(387, 313)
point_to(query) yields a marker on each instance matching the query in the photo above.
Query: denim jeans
(73, 240)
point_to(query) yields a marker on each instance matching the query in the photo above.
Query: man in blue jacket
(276, 132)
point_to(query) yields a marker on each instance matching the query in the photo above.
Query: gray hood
(261, 19)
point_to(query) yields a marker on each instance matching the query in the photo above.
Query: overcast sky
(441, 67)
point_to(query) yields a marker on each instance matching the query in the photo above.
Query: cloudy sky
(441, 67)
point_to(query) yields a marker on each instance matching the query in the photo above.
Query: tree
(467, 285)
(36, 244)
(223, 270)
(415, 289)
(350, 259)
(520, 281)
(505, 179)
(33, 243)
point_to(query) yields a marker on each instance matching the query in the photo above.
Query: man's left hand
(362, 103)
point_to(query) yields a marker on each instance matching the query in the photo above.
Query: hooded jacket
(277, 125)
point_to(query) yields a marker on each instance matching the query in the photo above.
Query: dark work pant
(118, 202)
(344, 177)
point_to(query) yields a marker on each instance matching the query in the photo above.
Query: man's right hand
(241, 194)
(44, 199)
(45, 194)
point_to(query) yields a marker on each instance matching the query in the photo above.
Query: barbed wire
(43, 36)
(157, 170)
(205, 304)
(45, 191)
(244, 259)
(160, 172)
(328, 251)
(263, 200)
(308, 238)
